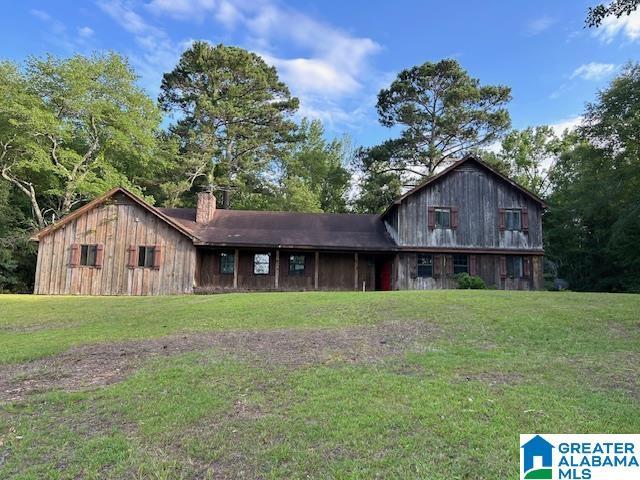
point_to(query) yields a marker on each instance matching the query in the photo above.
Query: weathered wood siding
(488, 269)
(116, 224)
(335, 271)
(478, 195)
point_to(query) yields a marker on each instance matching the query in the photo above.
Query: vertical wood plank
(355, 271)
(316, 268)
(277, 272)
(235, 268)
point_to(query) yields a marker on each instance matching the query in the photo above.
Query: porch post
(277, 275)
(316, 270)
(235, 268)
(355, 271)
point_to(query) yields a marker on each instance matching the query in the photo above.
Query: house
(468, 218)
(537, 447)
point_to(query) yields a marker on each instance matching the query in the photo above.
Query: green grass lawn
(430, 385)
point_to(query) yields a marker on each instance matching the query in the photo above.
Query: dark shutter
(526, 267)
(437, 265)
(525, 220)
(473, 265)
(501, 219)
(99, 255)
(74, 255)
(413, 265)
(157, 257)
(503, 267)
(449, 265)
(133, 256)
(432, 218)
(454, 217)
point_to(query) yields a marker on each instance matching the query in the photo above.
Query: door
(385, 276)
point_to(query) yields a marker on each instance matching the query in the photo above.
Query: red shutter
(432, 218)
(449, 266)
(525, 220)
(473, 265)
(454, 217)
(501, 219)
(99, 255)
(74, 255)
(526, 266)
(437, 265)
(157, 257)
(133, 256)
(503, 267)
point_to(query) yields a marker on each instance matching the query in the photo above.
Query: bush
(467, 281)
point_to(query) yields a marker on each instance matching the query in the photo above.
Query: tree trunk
(226, 199)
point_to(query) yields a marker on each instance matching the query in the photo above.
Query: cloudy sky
(336, 55)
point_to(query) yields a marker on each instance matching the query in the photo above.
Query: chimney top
(206, 207)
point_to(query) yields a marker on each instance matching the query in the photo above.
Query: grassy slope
(504, 363)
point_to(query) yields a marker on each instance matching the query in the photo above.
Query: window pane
(91, 255)
(141, 256)
(443, 218)
(296, 264)
(514, 266)
(83, 254)
(512, 219)
(425, 265)
(460, 264)
(227, 263)
(148, 256)
(261, 264)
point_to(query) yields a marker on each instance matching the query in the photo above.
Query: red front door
(385, 276)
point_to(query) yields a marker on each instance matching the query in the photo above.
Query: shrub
(467, 281)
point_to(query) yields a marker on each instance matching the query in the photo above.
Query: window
(425, 265)
(514, 266)
(227, 263)
(296, 265)
(261, 264)
(145, 256)
(460, 264)
(443, 218)
(88, 255)
(513, 219)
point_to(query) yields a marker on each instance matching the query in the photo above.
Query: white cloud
(539, 25)
(85, 32)
(593, 71)
(567, 124)
(627, 25)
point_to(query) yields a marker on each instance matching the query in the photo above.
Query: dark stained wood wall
(478, 195)
(116, 224)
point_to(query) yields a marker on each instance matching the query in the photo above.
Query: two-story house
(468, 218)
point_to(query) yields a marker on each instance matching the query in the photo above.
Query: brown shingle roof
(287, 229)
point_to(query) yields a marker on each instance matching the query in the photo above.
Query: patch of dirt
(91, 366)
(621, 376)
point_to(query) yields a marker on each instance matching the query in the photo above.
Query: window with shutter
(227, 263)
(145, 256)
(454, 218)
(460, 264)
(525, 220)
(514, 266)
(99, 255)
(157, 257)
(501, 224)
(133, 256)
(88, 255)
(74, 255)
(424, 263)
(431, 220)
(443, 218)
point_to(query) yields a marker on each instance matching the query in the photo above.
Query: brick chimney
(206, 207)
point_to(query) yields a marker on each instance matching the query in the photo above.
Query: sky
(337, 55)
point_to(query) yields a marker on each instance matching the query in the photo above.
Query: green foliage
(596, 15)
(232, 112)
(592, 230)
(469, 282)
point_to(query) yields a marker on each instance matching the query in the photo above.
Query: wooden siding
(488, 269)
(116, 224)
(478, 195)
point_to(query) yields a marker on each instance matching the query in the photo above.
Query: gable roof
(101, 199)
(247, 228)
(450, 168)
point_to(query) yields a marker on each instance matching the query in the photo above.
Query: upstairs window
(261, 264)
(443, 218)
(296, 264)
(146, 256)
(513, 219)
(460, 264)
(514, 266)
(227, 263)
(88, 255)
(425, 265)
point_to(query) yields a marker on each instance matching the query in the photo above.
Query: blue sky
(336, 55)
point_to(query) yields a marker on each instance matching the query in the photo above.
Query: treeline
(71, 128)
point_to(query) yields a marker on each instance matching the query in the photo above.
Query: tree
(526, 155)
(232, 112)
(593, 226)
(597, 14)
(443, 113)
(72, 128)
(378, 185)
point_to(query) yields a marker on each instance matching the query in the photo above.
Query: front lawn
(434, 385)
